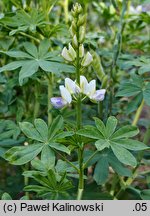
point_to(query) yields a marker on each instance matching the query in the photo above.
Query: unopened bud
(70, 54)
(77, 9)
(75, 41)
(72, 51)
(87, 60)
(81, 50)
(71, 30)
(81, 34)
(81, 20)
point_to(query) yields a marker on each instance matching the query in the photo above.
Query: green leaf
(130, 144)
(29, 130)
(145, 194)
(59, 147)
(56, 125)
(55, 67)
(42, 128)
(90, 132)
(43, 48)
(111, 126)
(101, 144)
(144, 69)
(100, 126)
(23, 154)
(18, 54)
(118, 167)
(31, 49)
(48, 157)
(37, 164)
(128, 89)
(29, 68)
(6, 196)
(125, 132)
(63, 135)
(101, 171)
(123, 155)
(36, 188)
(11, 66)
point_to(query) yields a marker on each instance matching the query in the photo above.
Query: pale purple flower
(58, 102)
(98, 95)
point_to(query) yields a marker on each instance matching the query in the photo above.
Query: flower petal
(58, 102)
(98, 95)
(65, 54)
(87, 60)
(91, 88)
(71, 86)
(65, 94)
(83, 84)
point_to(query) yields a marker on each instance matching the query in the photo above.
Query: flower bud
(81, 34)
(74, 41)
(65, 54)
(87, 60)
(72, 31)
(77, 9)
(72, 52)
(81, 50)
(81, 20)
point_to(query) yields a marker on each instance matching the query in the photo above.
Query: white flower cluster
(71, 89)
(70, 55)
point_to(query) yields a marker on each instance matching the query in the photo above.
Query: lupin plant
(80, 88)
(59, 152)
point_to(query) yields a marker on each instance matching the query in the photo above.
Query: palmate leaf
(142, 63)
(34, 58)
(47, 146)
(119, 141)
(137, 88)
(106, 158)
(23, 154)
(23, 21)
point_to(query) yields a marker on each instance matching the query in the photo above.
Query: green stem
(50, 94)
(79, 123)
(81, 174)
(65, 4)
(64, 158)
(37, 104)
(138, 113)
(26, 179)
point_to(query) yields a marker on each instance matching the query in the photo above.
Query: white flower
(65, 94)
(71, 86)
(98, 95)
(87, 60)
(83, 84)
(87, 88)
(134, 11)
(65, 54)
(69, 54)
(101, 40)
